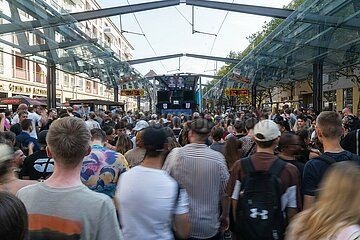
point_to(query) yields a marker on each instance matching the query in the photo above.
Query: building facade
(20, 76)
(339, 91)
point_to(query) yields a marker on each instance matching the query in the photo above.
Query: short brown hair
(26, 124)
(217, 133)
(22, 112)
(267, 144)
(68, 140)
(330, 124)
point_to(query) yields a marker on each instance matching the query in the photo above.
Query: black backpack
(258, 214)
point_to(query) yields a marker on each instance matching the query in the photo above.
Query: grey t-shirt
(69, 213)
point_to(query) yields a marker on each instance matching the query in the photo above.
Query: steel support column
(318, 85)
(116, 93)
(51, 85)
(138, 100)
(253, 97)
(200, 95)
(51, 74)
(242, 8)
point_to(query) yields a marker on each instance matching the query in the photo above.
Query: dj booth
(178, 95)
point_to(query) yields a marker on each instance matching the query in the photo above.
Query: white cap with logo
(266, 130)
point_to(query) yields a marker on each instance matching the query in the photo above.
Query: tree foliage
(256, 38)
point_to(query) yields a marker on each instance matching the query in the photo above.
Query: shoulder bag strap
(252, 147)
(326, 158)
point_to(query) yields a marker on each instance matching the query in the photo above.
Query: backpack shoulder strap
(326, 158)
(247, 165)
(277, 167)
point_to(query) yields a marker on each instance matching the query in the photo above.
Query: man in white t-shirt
(91, 122)
(149, 200)
(35, 118)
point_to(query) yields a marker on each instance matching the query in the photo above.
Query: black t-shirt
(34, 166)
(315, 169)
(176, 132)
(298, 164)
(351, 142)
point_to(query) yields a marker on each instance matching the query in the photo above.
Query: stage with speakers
(177, 95)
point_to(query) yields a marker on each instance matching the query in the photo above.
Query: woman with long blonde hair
(336, 213)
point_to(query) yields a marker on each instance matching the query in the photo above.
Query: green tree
(256, 38)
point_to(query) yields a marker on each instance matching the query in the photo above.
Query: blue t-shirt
(315, 169)
(24, 139)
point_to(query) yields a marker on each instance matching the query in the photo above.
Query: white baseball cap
(140, 125)
(266, 130)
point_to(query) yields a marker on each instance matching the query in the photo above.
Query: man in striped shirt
(204, 174)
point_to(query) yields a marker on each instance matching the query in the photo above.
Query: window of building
(88, 87)
(22, 13)
(66, 80)
(94, 32)
(14, 39)
(72, 82)
(40, 70)
(95, 88)
(69, 2)
(87, 6)
(39, 40)
(101, 90)
(81, 84)
(330, 100)
(107, 40)
(20, 67)
(348, 98)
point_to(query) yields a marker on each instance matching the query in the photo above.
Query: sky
(169, 32)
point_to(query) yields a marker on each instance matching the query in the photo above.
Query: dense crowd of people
(244, 175)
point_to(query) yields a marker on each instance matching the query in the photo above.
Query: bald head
(23, 107)
(346, 112)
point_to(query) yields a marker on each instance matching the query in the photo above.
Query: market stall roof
(71, 45)
(319, 31)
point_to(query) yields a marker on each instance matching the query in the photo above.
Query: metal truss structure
(322, 35)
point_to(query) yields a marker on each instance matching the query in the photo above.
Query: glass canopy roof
(73, 48)
(325, 31)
